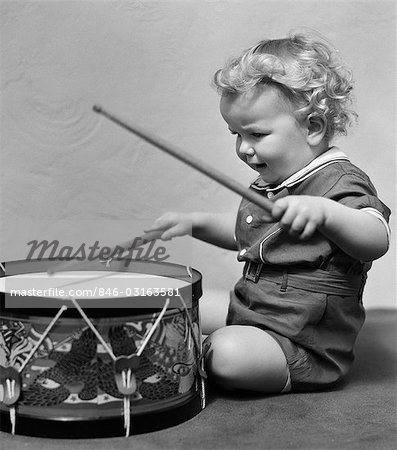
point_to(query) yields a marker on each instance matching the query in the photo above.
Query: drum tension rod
(200, 351)
(12, 376)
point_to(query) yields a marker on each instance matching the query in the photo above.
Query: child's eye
(258, 135)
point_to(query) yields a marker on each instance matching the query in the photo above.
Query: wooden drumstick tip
(97, 108)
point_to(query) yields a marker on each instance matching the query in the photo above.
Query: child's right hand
(172, 224)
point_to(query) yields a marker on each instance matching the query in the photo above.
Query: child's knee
(243, 357)
(222, 359)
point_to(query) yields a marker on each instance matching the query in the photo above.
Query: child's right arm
(216, 229)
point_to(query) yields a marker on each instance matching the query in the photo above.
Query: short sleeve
(358, 192)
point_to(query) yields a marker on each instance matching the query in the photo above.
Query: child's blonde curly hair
(305, 69)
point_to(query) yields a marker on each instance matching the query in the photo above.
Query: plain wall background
(69, 174)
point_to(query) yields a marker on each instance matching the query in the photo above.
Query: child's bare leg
(213, 308)
(246, 357)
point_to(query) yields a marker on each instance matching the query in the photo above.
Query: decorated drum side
(72, 386)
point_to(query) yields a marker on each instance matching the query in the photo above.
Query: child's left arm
(358, 233)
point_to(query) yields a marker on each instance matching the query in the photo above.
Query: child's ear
(316, 129)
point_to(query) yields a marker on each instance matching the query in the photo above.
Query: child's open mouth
(260, 166)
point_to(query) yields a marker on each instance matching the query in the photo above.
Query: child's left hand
(300, 215)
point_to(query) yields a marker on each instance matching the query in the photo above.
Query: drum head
(117, 287)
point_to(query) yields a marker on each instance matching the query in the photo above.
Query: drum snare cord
(94, 330)
(43, 336)
(126, 375)
(153, 329)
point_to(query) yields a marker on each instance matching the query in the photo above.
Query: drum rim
(193, 290)
(106, 426)
(95, 265)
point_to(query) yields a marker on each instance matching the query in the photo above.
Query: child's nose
(246, 149)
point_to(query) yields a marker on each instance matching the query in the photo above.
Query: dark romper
(306, 294)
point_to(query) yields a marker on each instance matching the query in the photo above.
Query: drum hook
(107, 262)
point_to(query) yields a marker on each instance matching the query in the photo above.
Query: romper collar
(329, 157)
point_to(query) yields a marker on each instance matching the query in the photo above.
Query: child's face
(269, 138)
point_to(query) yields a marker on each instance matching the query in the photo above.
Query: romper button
(243, 252)
(249, 219)
(270, 195)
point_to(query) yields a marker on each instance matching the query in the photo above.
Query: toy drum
(105, 350)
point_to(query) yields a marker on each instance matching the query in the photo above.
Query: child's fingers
(161, 224)
(291, 219)
(309, 230)
(177, 230)
(150, 235)
(299, 216)
(279, 208)
(170, 225)
(168, 235)
(296, 227)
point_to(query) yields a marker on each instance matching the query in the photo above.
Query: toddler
(293, 318)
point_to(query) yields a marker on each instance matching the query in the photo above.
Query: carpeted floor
(361, 414)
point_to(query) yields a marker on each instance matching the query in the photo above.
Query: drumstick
(190, 160)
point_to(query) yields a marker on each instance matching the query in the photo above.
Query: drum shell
(69, 385)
